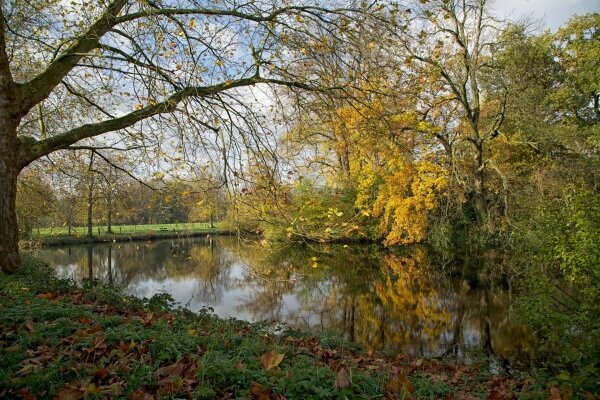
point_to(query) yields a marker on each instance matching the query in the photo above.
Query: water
(401, 300)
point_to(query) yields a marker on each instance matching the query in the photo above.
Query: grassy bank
(62, 235)
(101, 230)
(58, 340)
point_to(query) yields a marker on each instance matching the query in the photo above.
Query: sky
(552, 13)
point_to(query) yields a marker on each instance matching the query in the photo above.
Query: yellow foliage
(406, 199)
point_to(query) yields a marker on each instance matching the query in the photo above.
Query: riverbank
(48, 237)
(92, 342)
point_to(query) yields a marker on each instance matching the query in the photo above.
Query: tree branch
(42, 85)
(29, 152)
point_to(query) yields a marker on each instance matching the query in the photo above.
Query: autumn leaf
(102, 373)
(259, 392)
(140, 395)
(70, 393)
(85, 320)
(271, 360)
(29, 325)
(555, 393)
(98, 345)
(494, 395)
(25, 394)
(342, 379)
(399, 385)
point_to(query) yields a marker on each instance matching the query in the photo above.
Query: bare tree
(453, 41)
(140, 68)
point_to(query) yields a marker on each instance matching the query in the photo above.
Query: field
(128, 230)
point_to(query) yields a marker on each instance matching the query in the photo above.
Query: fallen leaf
(24, 392)
(494, 395)
(140, 395)
(259, 392)
(98, 345)
(102, 373)
(70, 393)
(271, 360)
(29, 325)
(342, 379)
(169, 388)
(555, 393)
(399, 385)
(417, 363)
(47, 296)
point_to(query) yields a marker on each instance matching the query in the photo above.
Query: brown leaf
(24, 392)
(259, 392)
(169, 388)
(271, 360)
(150, 317)
(342, 379)
(70, 393)
(555, 393)
(48, 296)
(140, 395)
(175, 369)
(102, 373)
(400, 385)
(29, 325)
(85, 320)
(98, 345)
(494, 395)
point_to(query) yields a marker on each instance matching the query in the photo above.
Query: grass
(66, 342)
(101, 230)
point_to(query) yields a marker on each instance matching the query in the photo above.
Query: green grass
(101, 230)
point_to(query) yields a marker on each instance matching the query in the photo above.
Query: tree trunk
(480, 195)
(109, 202)
(90, 209)
(9, 230)
(9, 170)
(109, 216)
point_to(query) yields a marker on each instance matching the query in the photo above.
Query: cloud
(552, 13)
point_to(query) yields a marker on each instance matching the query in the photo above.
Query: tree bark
(9, 230)
(480, 189)
(109, 216)
(90, 210)
(90, 204)
(10, 165)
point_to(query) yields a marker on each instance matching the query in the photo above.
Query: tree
(35, 201)
(136, 68)
(447, 46)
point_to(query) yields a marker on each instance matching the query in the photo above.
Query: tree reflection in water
(399, 299)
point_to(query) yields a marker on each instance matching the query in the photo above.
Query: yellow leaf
(271, 360)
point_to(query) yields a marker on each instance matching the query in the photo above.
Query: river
(404, 300)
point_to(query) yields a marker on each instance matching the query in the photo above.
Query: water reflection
(399, 300)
